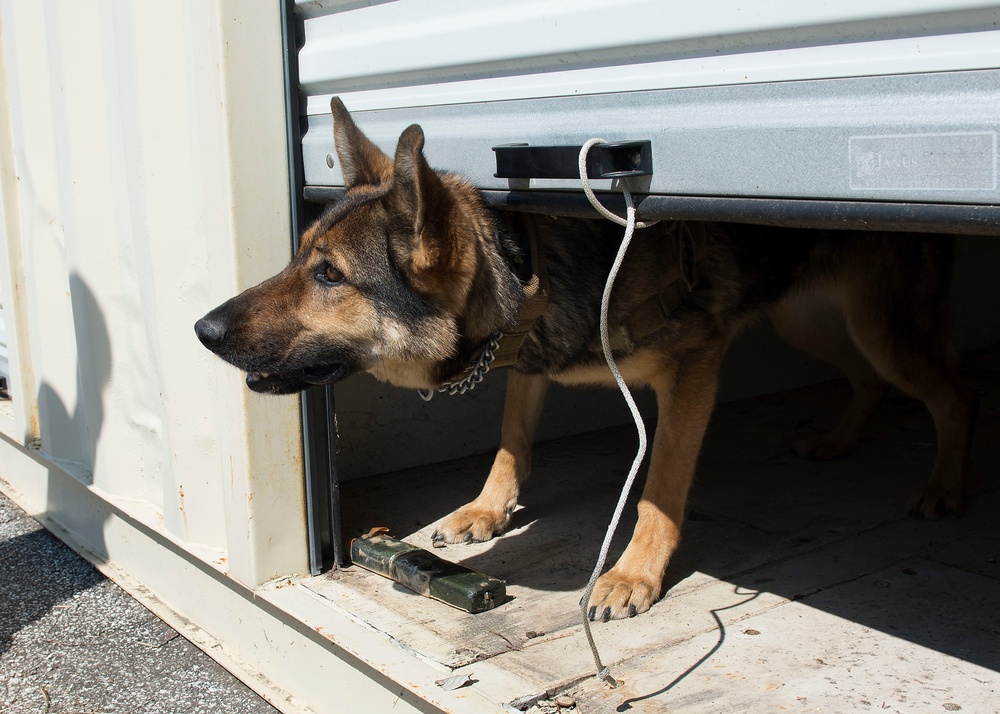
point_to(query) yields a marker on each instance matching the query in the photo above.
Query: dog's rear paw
(934, 502)
(471, 524)
(617, 596)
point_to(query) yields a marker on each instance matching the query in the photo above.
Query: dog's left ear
(420, 195)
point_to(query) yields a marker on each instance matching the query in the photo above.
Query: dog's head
(400, 278)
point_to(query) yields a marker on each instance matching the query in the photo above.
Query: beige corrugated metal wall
(143, 182)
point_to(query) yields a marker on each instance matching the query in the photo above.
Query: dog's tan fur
(427, 281)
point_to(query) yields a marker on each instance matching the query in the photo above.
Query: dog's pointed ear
(361, 162)
(419, 194)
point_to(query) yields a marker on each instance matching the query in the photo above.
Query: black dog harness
(688, 244)
(534, 277)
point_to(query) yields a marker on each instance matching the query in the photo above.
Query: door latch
(617, 159)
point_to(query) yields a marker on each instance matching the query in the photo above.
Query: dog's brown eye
(330, 275)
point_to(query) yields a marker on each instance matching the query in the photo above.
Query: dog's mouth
(287, 382)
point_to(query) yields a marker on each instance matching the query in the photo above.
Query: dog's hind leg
(489, 514)
(685, 397)
(812, 322)
(906, 341)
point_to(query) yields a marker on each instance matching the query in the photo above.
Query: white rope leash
(630, 224)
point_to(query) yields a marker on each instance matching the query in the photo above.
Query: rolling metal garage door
(849, 114)
(856, 101)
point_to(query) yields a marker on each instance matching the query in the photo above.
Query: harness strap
(689, 242)
(536, 287)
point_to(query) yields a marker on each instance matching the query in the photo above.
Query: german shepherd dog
(409, 275)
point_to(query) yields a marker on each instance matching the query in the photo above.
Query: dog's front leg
(685, 397)
(489, 514)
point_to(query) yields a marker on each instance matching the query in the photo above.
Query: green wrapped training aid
(423, 572)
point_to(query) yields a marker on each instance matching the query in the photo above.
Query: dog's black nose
(211, 331)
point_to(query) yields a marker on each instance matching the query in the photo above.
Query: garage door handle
(617, 159)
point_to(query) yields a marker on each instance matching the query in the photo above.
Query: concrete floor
(72, 642)
(799, 585)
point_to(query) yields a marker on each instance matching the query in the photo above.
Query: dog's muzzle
(264, 375)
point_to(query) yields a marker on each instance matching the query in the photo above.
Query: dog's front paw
(617, 595)
(472, 523)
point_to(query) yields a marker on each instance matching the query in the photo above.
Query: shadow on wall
(71, 437)
(31, 586)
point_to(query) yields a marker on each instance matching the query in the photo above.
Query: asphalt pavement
(72, 642)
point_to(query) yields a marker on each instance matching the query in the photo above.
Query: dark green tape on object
(423, 572)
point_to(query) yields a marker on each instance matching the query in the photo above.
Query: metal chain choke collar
(474, 376)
